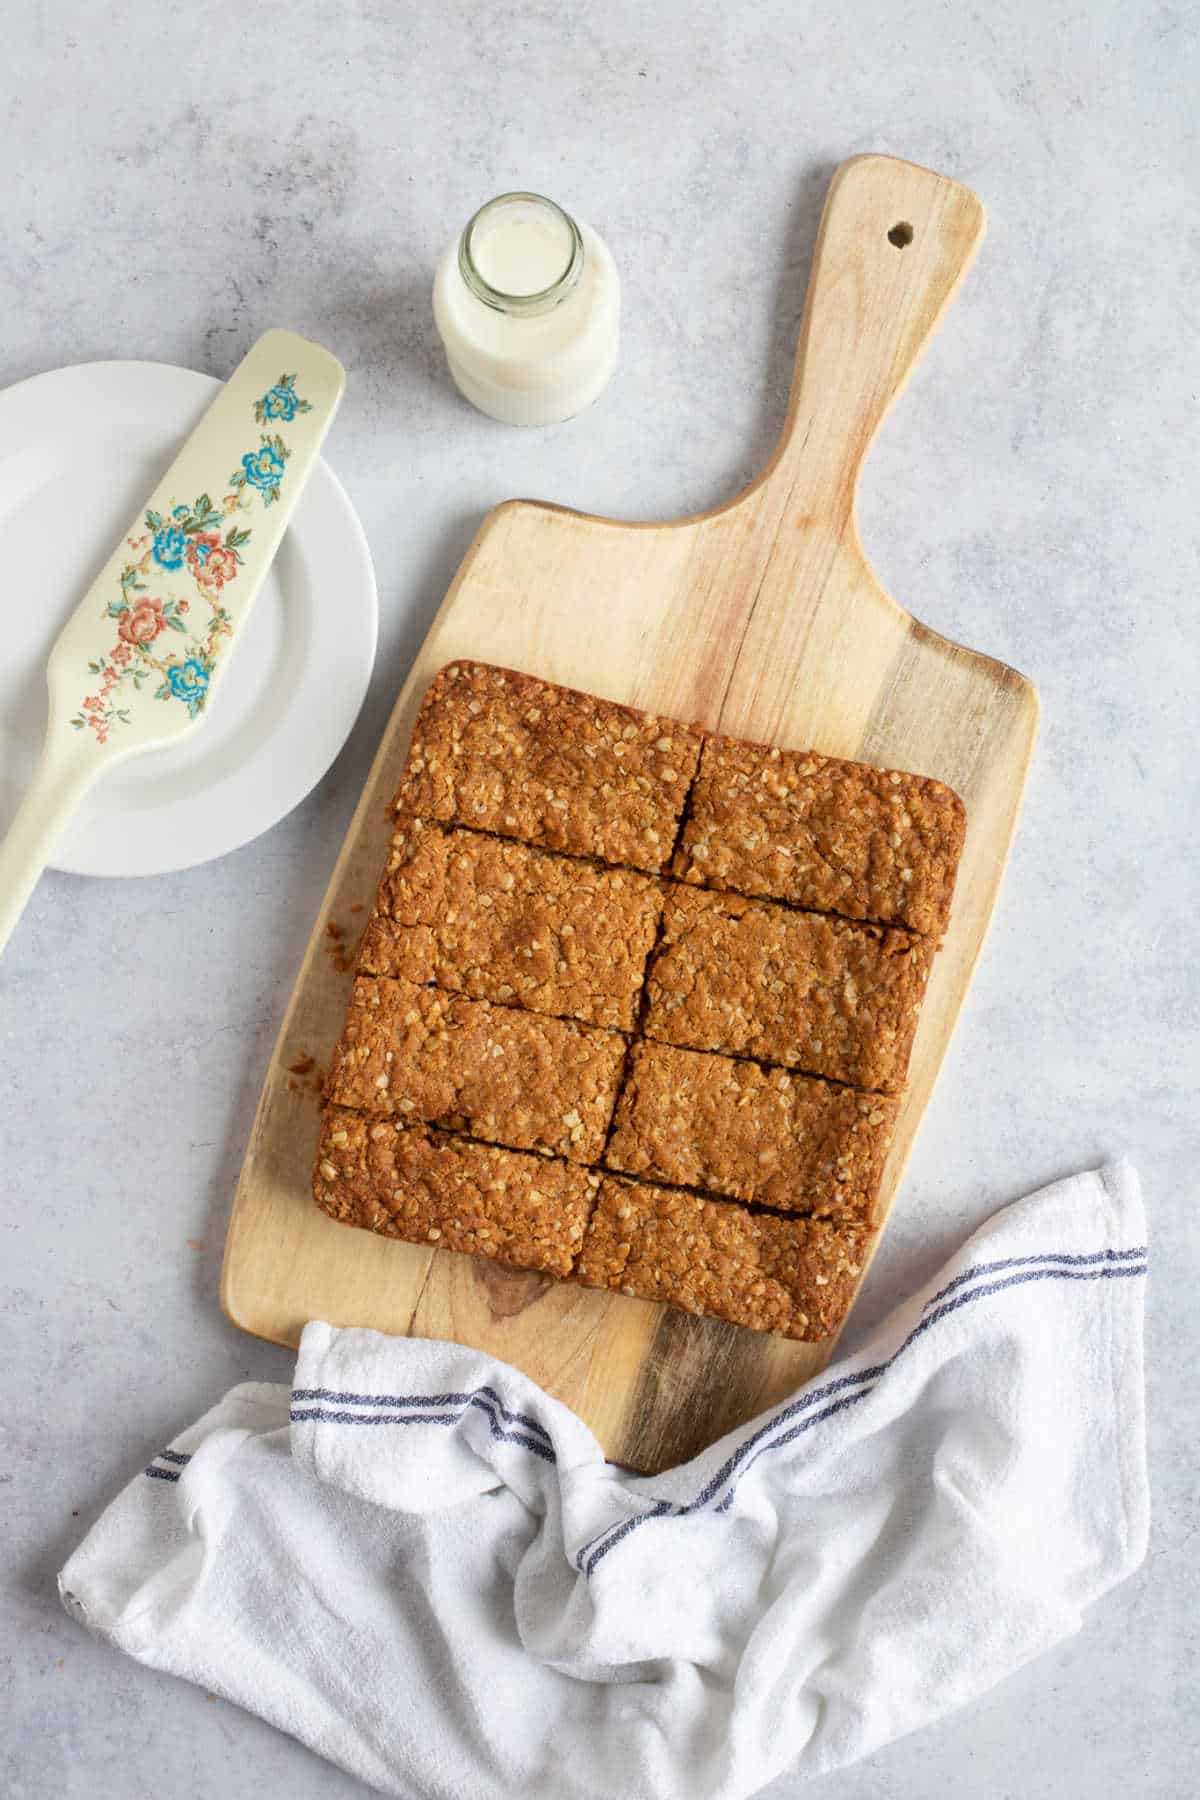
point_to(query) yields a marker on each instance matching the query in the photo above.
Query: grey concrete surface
(177, 179)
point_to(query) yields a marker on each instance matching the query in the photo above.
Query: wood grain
(761, 618)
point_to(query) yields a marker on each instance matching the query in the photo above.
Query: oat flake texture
(635, 1004)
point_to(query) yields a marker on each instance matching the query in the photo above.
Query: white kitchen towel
(422, 1566)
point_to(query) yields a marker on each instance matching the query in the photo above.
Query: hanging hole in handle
(901, 235)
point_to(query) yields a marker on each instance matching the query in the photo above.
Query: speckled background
(175, 180)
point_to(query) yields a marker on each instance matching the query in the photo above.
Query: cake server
(135, 665)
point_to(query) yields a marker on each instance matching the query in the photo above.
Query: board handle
(894, 243)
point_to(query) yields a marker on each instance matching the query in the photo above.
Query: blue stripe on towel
(797, 1417)
(179, 1457)
(749, 1451)
(481, 1398)
(1016, 1262)
(397, 1401)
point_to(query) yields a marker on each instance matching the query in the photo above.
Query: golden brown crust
(752, 1134)
(510, 1077)
(838, 837)
(450, 1193)
(502, 921)
(507, 753)
(810, 992)
(794, 1276)
(522, 988)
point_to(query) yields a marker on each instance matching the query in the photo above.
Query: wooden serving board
(760, 618)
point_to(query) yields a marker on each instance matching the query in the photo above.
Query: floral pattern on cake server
(196, 547)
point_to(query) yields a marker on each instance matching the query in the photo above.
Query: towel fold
(422, 1566)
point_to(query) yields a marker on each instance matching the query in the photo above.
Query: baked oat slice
(761, 1135)
(817, 832)
(502, 921)
(450, 1193)
(507, 753)
(805, 990)
(510, 1077)
(793, 1276)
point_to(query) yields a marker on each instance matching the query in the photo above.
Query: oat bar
(450, 1193)
(794, 1276)
(510, 1077)
(803, 989)
(505, 922)
(510, 754)
(838, 837)
(765, 1135)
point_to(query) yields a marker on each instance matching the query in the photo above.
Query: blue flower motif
(170, 545)
(263, 468)
(189, 682)
(280, 402)
(180, 512)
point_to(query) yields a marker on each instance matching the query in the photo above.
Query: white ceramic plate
(80, 449)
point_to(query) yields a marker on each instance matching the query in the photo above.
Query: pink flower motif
(93, 705)
(142, 622)
(181, 606)
(213, 566)
(121, 655)
(200, 547)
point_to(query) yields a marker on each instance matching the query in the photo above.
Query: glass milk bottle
(528, 304)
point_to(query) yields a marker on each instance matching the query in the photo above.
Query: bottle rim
(521, 305)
